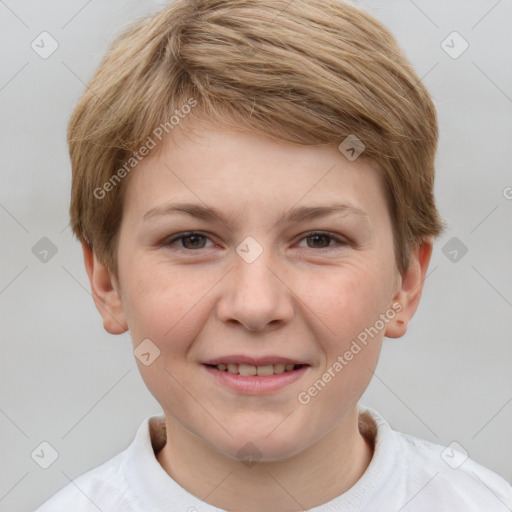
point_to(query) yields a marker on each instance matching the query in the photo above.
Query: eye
(320, 240)
(189, 241)
(193, 240)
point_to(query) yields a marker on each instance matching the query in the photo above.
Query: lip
(253, 384)
(254, 361)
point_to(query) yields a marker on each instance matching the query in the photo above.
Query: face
(294, 264)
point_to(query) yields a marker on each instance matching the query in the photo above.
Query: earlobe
(410, 289)
(396, 327)
(105, 292)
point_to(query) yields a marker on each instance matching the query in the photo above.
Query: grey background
(64, 380)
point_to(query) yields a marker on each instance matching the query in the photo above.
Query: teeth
(264, 370)
(249, 370)
(280, 368)
(246, 370)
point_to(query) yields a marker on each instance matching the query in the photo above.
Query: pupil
(320, 237)
(194, 237)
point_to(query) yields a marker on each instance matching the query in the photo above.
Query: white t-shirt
(406, 474)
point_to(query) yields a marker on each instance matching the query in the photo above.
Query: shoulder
(99, 488)
(105, 487)
(453, 479)
(422, 476)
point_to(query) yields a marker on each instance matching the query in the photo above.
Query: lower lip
(253, 384)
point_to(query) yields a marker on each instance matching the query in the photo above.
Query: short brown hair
(308, 72)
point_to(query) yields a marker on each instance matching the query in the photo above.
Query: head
(248, 110)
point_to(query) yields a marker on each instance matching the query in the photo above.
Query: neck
(313, 477)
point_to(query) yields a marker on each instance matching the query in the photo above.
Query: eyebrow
(298, 214)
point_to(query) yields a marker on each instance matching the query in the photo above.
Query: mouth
(253, 376)
(248, 370)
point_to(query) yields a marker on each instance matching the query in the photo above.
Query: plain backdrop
(65, 381)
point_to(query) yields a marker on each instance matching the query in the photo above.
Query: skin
(305, 298)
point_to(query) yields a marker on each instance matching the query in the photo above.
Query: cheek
(163, 304)
(351, 305)
(168, 307)
(351, 299)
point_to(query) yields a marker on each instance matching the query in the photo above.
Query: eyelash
(181, 236)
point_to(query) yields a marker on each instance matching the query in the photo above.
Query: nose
(256, 295)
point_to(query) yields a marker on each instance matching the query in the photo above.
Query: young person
(253, 191)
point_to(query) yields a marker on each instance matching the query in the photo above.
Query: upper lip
(253, 361)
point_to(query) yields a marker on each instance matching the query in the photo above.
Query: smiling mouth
(247, 370)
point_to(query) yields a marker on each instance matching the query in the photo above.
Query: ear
(409, 288)
(105, 292)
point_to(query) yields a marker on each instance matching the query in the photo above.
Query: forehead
(237, 170)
